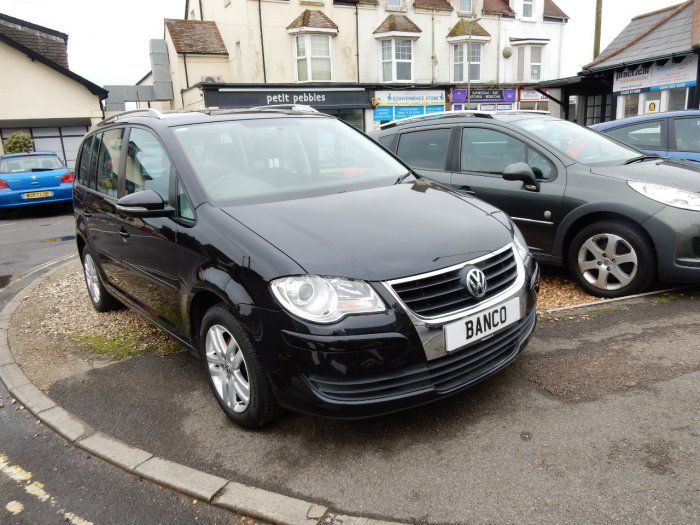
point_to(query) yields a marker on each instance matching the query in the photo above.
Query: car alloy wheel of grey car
(227, 368)
(607, 261)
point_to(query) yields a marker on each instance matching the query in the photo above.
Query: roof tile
(198, 37)
(461, 28)
(497, 7)
(552, 10)
(46, 43)
(438, 5)
(314, 19)
(399, 23)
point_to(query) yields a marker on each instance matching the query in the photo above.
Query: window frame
(309, 56)
(394, 61)
(538, 64)
(172, 193)
(466, 62)
(553, 159)
(471, 8)
(399, 5)
(530, 3)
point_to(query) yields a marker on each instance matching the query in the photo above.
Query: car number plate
(481, 324)
(37, 194)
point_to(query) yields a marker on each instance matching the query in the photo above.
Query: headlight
(325, 299)
(520, 244)
(667, 195)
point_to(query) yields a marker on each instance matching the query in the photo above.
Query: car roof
(645, 118)
(28, 154)
(154, 118)
(463, 117)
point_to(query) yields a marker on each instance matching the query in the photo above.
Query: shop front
(656, 87)
(398, 104)
(347, 102)
(484, 99)
(529, 99)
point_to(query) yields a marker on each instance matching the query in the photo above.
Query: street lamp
(470, 21)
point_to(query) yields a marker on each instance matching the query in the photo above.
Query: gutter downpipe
(357, 41)
(500, 51)
(432, 53)
(262, 41)
(187, 81)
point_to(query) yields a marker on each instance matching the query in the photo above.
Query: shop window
(572, 114)
(354, 117)
(108, 162)
(677, 99)
(687, 134)
(147, 165)
(397, 60)
(631, 105)
(598, 109)
(425, 149)
(528, 8)
(652, 102)
(467, 62)
(534, 106)
(647, 135)
(313, 58)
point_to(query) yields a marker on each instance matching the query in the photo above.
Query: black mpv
(308, 267)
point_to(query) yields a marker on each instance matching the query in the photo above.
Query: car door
(650, 136)
(100, 202)
(148, 247)
(481, 155)
(426, 151)
(685, 138)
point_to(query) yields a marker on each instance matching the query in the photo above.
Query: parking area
(595, 422)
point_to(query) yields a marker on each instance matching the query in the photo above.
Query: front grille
(442, 375)
(443, 293)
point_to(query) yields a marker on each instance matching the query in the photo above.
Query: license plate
(37, 194)
(481, 324)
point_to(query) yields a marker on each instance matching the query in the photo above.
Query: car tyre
(612, 259)
(101, 299)
(236, 376)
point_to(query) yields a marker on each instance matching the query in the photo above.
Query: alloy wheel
(607, 261)
(91, 278)
(227, 368)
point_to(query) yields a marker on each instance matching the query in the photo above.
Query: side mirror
(520, 171)
(145, 203)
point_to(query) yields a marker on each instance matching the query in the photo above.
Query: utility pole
(598, 21)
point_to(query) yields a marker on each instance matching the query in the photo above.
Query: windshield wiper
(641, 158)
(405, 176)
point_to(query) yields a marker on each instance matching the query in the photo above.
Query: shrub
(18, 142)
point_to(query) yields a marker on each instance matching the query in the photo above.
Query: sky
(108, 41)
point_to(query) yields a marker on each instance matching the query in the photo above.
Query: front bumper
(376, 364)
(13, 198)
(676, 236)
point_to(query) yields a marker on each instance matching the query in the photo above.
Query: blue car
(28, 179)
(675, 134)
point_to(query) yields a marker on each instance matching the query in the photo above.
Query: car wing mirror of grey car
(520, 171)
(146, 203)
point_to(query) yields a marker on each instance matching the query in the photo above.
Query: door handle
(125, 234)
(466, 189)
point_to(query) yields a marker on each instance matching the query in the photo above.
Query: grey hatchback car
(616, 217)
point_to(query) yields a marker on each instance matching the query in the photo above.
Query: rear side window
(687, 134)
(108, 162)
(386, 140)
(647, 135)
(83, 167)
(489, 151)
(148, 167)
(425, 149)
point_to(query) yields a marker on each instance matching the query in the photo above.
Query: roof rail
(438, 114)
(301, 108)
(150, 112)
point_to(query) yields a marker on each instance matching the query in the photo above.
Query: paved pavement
(42, 479)
(597, 422)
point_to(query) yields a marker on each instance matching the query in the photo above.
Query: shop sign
(657, 78)
(530, 95)
(394, 105)
(459, 96)
(323, 98)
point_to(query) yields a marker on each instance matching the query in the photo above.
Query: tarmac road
(42, 479)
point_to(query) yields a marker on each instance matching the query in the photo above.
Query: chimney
(695, 37)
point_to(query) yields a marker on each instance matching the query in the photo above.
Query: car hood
(683, 175)
(380, 233)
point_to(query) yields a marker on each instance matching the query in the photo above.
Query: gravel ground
(558, 290)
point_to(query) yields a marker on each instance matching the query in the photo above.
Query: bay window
(467, 62)
(529, 63)
(313, 58)
(535, 63)
(397, 60)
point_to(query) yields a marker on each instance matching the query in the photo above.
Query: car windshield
(579, 143)
(30, 163)
(243, 161)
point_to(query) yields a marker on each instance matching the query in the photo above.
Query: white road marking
(23, 477)
(3, 225)
(46, 265)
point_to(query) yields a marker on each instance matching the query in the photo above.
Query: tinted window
(645, 135)
(147, 164)
(386, 141)
(83, 174)
(489, 151)
(687, 134)
(94, 151)
(108, 162)
(425, 149)
(184, 207)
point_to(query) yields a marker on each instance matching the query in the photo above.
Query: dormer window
(466, 6)
(528, 8)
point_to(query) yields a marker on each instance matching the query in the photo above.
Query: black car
(616, 217)
(308, 267)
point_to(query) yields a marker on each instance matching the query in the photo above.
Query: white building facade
(337, 55)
